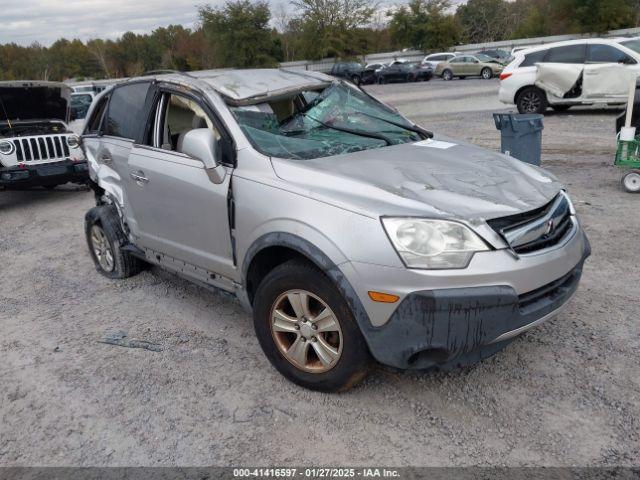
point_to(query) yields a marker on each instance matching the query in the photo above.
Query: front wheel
(531, 100)
(631, 181)
(307, 330)
(487, 73)
(447, 75)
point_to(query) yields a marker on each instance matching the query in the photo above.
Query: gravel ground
(566, 393)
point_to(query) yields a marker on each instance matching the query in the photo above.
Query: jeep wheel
(106, 241)
(531, 100)
(307, 330)
(447, 75)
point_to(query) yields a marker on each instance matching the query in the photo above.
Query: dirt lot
(566, 393)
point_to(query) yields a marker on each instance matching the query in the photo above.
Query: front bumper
(458, 326)
(47, 174)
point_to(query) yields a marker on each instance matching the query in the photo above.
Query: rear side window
(599, 53)
(94, 123)
(531, 59)
(566, 54)
(126, 116)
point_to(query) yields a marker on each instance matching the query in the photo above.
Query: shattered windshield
(633, 45)
(312, 124)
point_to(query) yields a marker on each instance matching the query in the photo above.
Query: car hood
(434, 178)
(23, 101)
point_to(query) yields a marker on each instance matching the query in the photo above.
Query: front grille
(550, 291)
(537, 229)
(51, 147)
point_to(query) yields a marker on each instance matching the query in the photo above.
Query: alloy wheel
(306, 331)
(102, 249)
(531, 102)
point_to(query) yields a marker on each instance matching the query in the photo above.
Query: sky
(44, 21)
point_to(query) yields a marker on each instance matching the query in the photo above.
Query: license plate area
(49, 170)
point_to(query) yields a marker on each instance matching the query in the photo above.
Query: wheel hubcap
(530, 102)
(632, 182)
(306, 331)
(102, 249)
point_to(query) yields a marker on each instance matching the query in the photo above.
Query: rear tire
(106, 240)
(531, 100)
(290, 342)
(447, 75)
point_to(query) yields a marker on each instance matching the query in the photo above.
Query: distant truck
(37, 148)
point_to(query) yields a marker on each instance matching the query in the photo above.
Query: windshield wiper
(360, 133)
(411, 128)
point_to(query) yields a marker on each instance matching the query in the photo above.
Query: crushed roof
(243, 85)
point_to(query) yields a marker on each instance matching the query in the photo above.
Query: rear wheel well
(266, 260)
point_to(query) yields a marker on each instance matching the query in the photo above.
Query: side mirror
(200, 144)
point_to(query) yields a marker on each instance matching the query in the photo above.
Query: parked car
(398, 72)
(348, 70)
(37, 147)
(497, 53)
(80, 103)
(435, 59)
(346, 229)
(576, 72)
(422, 72)
(464, 66)
(370, 73)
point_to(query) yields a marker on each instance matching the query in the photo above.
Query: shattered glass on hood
(337, 120)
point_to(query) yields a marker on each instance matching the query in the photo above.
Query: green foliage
(239, 34)
(425, 25)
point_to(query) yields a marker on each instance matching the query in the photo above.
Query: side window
(531, 59)
(457, 60)
(94, 123)
(125, 117)
(566, 54)
(177, 115)
(599, 53)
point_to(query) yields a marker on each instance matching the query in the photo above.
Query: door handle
(105, 158)
(139, 177)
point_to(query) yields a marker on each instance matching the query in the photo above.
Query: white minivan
(575, 72)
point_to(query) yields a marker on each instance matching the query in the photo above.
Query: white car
(436, 58)
(575, 72)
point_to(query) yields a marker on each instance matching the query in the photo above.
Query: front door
(176, 209)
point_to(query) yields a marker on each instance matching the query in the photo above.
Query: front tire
(531, 100)
(307, 330)
(106, 241)
(487, 73)
(447, 75)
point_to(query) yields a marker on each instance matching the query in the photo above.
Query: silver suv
(350, 232)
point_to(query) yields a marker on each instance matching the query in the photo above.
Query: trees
(238, 33)
(328, 28)
(424, 24)
(484, 20)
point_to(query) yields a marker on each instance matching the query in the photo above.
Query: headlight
(7, 148)
(433, 244)
(73, 141)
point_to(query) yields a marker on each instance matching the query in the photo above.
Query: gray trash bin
(521, 135)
